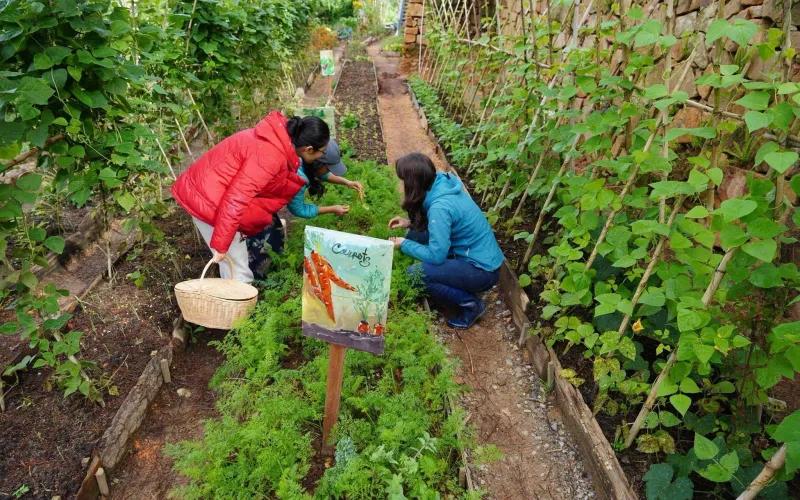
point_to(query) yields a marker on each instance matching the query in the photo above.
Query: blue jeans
(455, 281)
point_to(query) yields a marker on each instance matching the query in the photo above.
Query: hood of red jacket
(273, 130)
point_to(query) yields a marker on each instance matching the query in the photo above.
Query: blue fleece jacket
(456, 227)
(298, 206)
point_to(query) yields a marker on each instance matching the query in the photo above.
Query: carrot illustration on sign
(320, 277)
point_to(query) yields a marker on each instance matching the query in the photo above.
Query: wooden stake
(421, 39)
(185, 142)
(166, 158)
(333, 393)
(765, 476)
(102, 482)
(651, 397)
(164, 364)
(211, 139)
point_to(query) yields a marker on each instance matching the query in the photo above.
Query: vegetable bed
(395, 435)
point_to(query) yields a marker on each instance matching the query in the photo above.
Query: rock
(701, 58)
(732, 7)
(685, 23)
(688, 84)
(184, 393)
(414, 10)
(687, 118)
(85, 461)
(685, 6)
(705, 90)
(554, 426)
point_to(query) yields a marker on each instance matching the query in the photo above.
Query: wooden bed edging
(127, 420)
(607, 475)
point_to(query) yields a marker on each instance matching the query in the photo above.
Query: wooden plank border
(609, 479)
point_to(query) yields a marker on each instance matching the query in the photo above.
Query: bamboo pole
(211, 139)
(650, 267)
(183, 136)
(670, 17)
(653, 394)
(635, 171)
(421, 38)
(764, 477)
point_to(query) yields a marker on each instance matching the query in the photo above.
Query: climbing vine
(100, 91)
(676, 291)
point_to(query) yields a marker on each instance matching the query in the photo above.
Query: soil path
(506, 402)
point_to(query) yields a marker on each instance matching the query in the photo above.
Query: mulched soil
(47, 437)
(356, 96)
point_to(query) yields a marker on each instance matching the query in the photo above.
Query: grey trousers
(237, 253)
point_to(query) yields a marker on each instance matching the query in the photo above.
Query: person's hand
(340, 209)
(397, 241)
(399, 223)
(217, 257)
(356, 186)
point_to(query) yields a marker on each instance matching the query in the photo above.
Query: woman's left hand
(397, 241)
(357, 186)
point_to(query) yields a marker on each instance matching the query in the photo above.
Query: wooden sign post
(346, 282)
(333, 394)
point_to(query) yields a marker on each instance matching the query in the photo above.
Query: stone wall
(413, 29)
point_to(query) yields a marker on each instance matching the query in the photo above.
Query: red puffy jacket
(238, 184)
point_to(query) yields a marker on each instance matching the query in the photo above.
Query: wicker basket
(215, 302)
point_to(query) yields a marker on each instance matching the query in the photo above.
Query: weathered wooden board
(131, 413)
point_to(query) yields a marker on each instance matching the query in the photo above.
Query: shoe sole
(478, 317)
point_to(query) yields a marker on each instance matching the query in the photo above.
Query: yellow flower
(638, 326)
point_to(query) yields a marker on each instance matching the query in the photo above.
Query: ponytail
(308, 131)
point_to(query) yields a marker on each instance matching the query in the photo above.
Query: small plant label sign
(346, 281)
(326, 63)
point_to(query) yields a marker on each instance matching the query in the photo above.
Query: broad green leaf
(716, 175)
(792, 457)
(668, 419)
(524, 280)
(789, 429)
(689, 386)
(680, 402)
(55, 244)
(723, 471)
(762, 250)
(697, 212)
(765, 149)
(736, 208)
(764, 228)
(703, 352)
(704, 132)
(704, 448)
(766, 276)
(716, 30)
(732, 236)
(757, 101)
(29, 182)
(781, 161)
(756, 120)
(126, 201)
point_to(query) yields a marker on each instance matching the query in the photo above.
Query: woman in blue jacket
(450, 235)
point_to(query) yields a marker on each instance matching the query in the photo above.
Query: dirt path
(506, 402)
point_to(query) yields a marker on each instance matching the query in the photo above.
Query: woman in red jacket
(236, 187)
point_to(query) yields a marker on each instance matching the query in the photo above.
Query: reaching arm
(439, 229)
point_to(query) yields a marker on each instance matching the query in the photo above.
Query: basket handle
(205, 269)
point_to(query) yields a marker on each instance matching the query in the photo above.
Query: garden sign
(346, 281)
(326, 63)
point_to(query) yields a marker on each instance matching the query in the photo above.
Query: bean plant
(677, 292)
(102, 91)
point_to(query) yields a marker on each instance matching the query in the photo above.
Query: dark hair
(316, 188)
(308, 131)
(417, 173)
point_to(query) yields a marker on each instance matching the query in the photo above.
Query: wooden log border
(607, 475)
